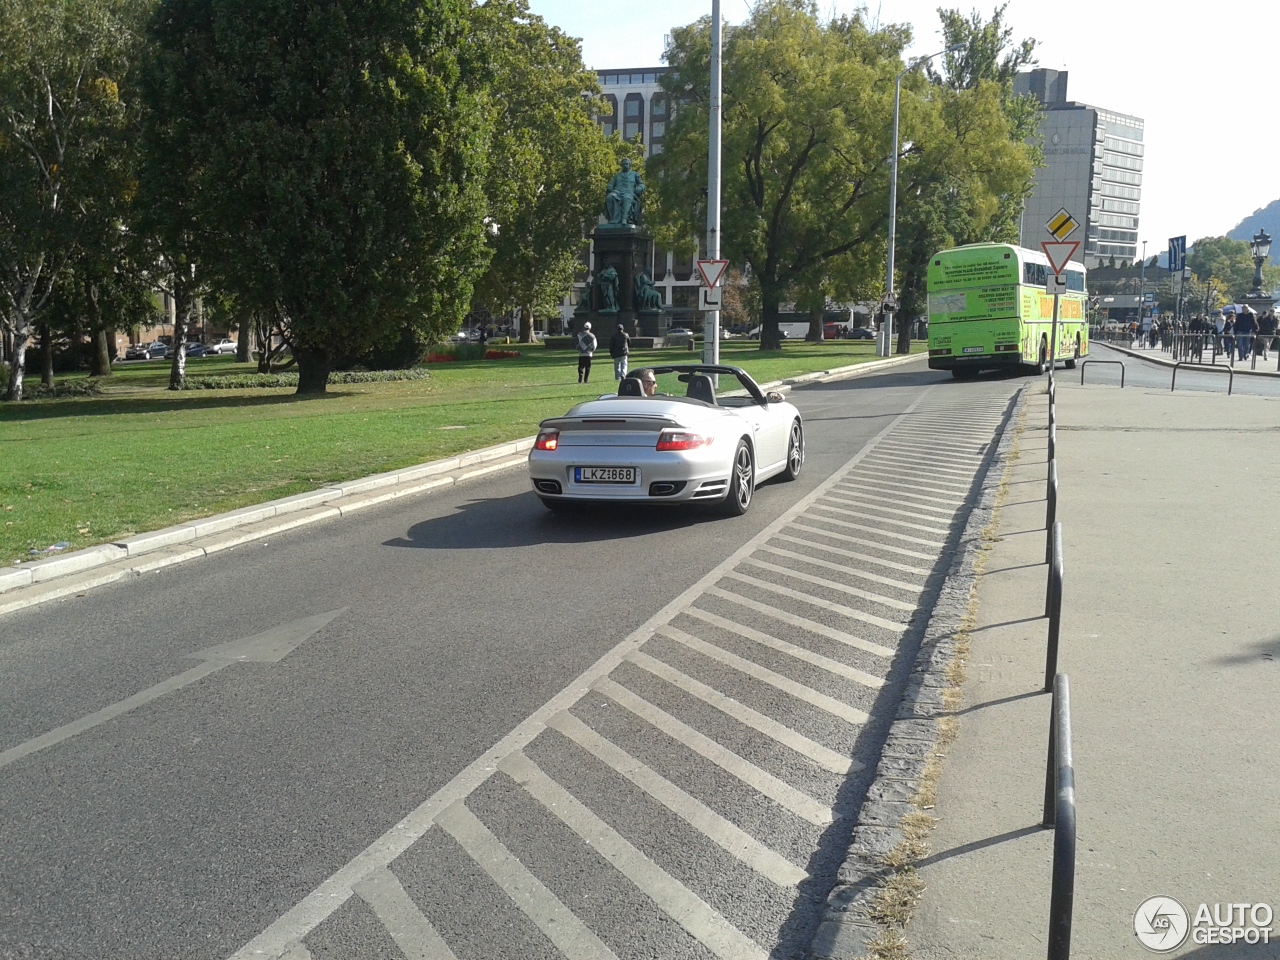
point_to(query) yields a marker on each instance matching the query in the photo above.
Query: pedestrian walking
(1246, 327)
(1229, 336)
(586, 347)
(1266, 332)
(620, 350)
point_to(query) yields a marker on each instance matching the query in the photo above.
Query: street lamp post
(885, 346)
(1261, 246)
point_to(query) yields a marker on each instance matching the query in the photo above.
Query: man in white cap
(586, 347)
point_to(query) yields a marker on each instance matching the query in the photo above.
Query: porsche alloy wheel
(742, 481)
(795, 451)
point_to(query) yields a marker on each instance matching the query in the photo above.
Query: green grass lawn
(139, 457)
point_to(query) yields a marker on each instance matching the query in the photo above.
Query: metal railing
(1120, 363)
(1173, 380)
(1053, 604)
(1060, 816)
(1051, 511)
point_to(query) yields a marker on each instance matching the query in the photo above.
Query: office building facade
(1093, 169)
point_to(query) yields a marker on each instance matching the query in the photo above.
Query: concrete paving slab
(43, 570)
(1170, 640)
(155, 539)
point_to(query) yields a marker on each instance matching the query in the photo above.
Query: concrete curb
(847, 928)
(31, 583)
(1146, 355)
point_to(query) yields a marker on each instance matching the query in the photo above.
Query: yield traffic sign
(1059, 253)
(1061, 225)
(712, 271)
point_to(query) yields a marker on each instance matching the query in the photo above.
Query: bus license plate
(971, 350)
(604, 474)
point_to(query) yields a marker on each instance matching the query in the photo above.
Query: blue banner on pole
(1177, 254)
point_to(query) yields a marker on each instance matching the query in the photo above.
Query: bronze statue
(608, 284)
(622, 199)
(648, 298)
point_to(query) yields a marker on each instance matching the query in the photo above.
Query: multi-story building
(1093, 169)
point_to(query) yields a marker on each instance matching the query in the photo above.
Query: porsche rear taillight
(682, 440)
(547, 440)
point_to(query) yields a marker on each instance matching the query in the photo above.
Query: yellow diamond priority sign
(1061, 225)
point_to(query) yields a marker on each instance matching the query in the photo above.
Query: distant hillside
(1268, 219)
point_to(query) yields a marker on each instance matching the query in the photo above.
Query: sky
(1188, 70)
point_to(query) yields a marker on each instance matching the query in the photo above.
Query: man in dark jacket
(1246, 327)
(620, 350)
(1266, 331)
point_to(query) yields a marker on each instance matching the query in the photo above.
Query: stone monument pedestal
(629, 250)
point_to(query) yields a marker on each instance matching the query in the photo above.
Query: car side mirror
(773, 396)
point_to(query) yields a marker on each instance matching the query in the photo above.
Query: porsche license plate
(604, 474)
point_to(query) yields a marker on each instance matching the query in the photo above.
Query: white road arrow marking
(271, 646)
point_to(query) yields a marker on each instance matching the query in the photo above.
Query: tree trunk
(101, 365)
(46, 373)
(17, 366)
(244, 342)
(182, 304)
(313, 370)
(262, 344)
(526, 324)
(817, 313)
(904, 333)
(770, 297)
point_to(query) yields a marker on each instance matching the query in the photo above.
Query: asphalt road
(203, 817)
(1147, 375)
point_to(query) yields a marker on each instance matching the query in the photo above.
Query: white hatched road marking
(786, 616)
(874, 500)
(837, 708)
(369, 870)
(923, 527)
(790, 649)
(929, 468)
(671, 896)
(952, 503)
(832, 585)
(808, 749)
(412, 932)
(798, 802)
(840, 608)
(853, 555)
(920, 480)
(728, 836)
(556, 921)
(843, 568)
(884, 533)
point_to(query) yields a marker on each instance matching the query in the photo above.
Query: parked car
(158, 350)
(136, 351)
(862, 333)
(197, 350)
(223, 346)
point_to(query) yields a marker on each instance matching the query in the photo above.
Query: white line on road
(790, 649)
(824, 604)
(906, 495)
(400, 916)
(841, 568)
(727, 835)
(853, 554)
(862, 497)
(829, 584)
(762, 781)
(673, 898)
(837, 708)
(804, 623)
(874, 518)
(556, 921)
(808, 749)
(816, 518)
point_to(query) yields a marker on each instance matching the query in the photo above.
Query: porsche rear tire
(795, 451)
(742, 482)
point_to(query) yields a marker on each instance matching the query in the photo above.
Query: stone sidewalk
(1170, 638)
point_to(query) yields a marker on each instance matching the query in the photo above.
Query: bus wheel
(1071, 364)
(1043, 366)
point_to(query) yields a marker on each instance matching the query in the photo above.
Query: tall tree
(1230, 263)
(333, 154)
(549, 162)
(63, 160)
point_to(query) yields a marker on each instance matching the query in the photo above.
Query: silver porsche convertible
(701, 442)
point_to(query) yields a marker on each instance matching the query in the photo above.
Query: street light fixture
(885, 347)
(1261, 245)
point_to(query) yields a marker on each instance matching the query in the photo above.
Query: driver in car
(648, 382)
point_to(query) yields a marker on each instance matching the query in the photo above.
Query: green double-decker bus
(988, 309)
